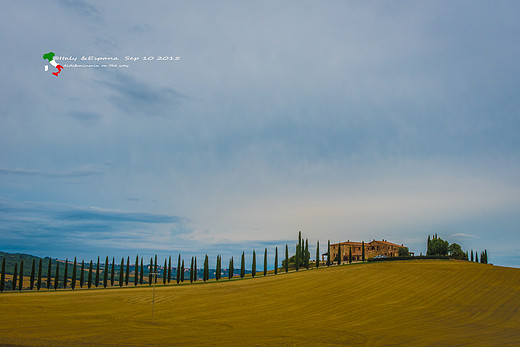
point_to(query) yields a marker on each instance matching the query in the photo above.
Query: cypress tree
(82, 274)
(33, 270)
(307, 254)
(328, 254)
(89, 277)
(165, 272)
(472, 255)
(230, 270)
(363, 251)
(136, 271)
(297, 258)
(216, 268)
(151, 271)
(15, 275)
(206, 269)
(21, 276)
(276, 261)
(486, 256)
(97, 273)
(350, 255)
(182, 271)
(122, 272)
(339, 253)
(127, 277)
(66, 273)
(265, 262)
(191, 271)
(57, 275)
(299, 250)
(482, 257)
(428, 246)
(179, 270)
(286, 258)
(105, 273)
(318, 254)
(476, 257)
(155, 268)
(113, 272)
(74, 270)
(2, 279)
(253, 267)
(39, 283)
(142, 272)
(195, 270)
(169, 269)
(243, 266)
(49, 275)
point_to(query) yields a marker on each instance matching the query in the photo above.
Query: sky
(345, 120)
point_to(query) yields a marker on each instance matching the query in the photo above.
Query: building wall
(372, 249)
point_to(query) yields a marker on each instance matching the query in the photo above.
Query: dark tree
(39, 282)
(306, 255)
(127, 277)
(243, 266)
(339, 253)
(328, 254)
(49, 275)
(195, 270)
(142, 273)
(151, 271)
(297, 256)
(89, 277)
(165, 272)
(438, 246)
(299, 250)
(122, 272)
(136, 271)
(286, 258)
(33, 273)
(82, 274)
(191, 271)
(169, 269)
(476, 257)
(216, 268)
(179, 270)
(472, 259)
(363, 251)
(318, 254)
(15, 275)
(253, 266)
(403, 252)
(21, 276)
(97, 273)
(155, 268)
(230, 270)
(428, 246)
(66, 273)
(57, 275)
(276, 261)
(182, 271)
(113, 272)
(485, 256)
(265, 262)
(74, 270)
(205, 277)
(2, 278)
(105, 273)
(350, 255)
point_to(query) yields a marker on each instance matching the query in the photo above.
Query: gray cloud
(75, 173)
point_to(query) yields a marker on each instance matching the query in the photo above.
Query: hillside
(404, 303)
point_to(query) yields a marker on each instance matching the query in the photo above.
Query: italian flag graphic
(50, 57)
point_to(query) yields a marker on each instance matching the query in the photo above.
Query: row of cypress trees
(93, 275)
(483, 257)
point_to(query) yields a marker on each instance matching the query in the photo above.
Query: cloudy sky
(346, 120)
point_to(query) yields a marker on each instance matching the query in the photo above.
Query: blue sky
(345, 120)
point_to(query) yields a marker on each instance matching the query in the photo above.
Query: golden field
(414, 303)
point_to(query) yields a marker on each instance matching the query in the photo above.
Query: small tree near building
(403, 252)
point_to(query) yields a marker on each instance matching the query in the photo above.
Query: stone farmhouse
(372, 249)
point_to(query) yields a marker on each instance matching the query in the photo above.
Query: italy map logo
(50, 57)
